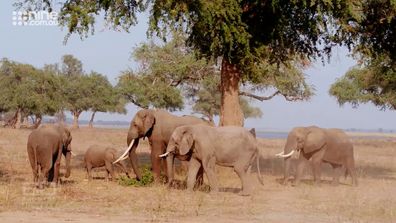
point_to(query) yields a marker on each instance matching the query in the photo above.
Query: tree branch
(260, 98)
(265, 98)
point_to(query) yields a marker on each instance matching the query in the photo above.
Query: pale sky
(108, 52)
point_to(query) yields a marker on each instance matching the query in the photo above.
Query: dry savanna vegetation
(78, 200)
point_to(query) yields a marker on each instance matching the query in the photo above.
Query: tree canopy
(374, 80)
(27, 91)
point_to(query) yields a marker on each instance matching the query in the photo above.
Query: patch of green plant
(147, 179)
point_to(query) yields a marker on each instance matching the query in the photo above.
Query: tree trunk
(90, 125)
(37, 121)
(61, 117)
(230, 112)
(76, 114)
(18, 119)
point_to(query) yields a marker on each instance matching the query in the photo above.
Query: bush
(147, 179)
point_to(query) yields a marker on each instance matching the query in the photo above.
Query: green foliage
(164, 72)
(103, 96)
(30, 90)
(147, 179)
(249, 33)
(373, 35)
(375, 83)
(147, 91)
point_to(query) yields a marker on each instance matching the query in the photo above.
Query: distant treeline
(28, 93)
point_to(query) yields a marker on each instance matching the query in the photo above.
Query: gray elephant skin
(157, 126)
(45, 147)
(319, 145)
(207, 146)
(99, 156)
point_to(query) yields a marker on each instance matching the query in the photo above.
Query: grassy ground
(78, 200)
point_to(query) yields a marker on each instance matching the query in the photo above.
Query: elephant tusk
(285, 155)
(165, 154)
(279, 154)
(123, 156)
(73, 154)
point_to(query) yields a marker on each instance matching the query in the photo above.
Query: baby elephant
(207, 146)
(97, 156)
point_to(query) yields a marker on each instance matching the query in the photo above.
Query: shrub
(147, 179)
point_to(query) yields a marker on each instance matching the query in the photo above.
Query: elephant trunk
(68, 167)
(286, 173)
(169, 164)
(133, 156)
(288, 151)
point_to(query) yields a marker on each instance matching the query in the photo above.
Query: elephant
(98, 156)
(45, 147)
(229, 146)
(321, 146)
(157, 126)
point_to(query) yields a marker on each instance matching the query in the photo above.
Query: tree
(373, 36)
(163, 73)
(249, 35)
(104, 97)
(27, 91)
(76, 87)
(169, 70)
(245, 34)
(374, 83)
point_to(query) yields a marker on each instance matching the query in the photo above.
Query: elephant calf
(97, 156)
(320, 146)
(206, 146)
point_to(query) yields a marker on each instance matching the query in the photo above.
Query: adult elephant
(157, 126)
(45, 147)
(206, 146)
(320, 145)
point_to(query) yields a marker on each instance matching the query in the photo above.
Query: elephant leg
(302, 160)
(193, 167)
(36, 171)
(316, 164)
(209, 167)
(110, 170)
(46, 172)
(242, 171)
(199, 179)
(317, 171)
(350, 167)
(336, 173)
(89, 171)
(156, 150)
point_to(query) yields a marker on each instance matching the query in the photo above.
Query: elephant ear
(148, 121)
(186, 143)
(314, 140)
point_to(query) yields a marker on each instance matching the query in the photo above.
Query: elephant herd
(196, 142)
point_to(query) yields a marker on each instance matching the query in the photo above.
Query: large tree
(28, 91)
(167, 71)
(103, 96)
(247, 35)
(373, 35)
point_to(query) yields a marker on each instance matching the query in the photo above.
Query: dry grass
(374, 200)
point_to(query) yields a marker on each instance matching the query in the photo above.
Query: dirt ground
(77, 200)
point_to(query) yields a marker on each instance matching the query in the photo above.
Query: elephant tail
(259, 176)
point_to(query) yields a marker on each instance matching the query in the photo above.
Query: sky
(109, 52)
